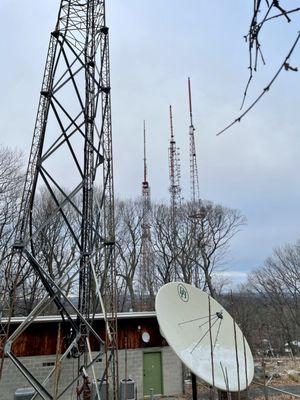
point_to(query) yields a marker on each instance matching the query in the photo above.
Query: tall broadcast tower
(72, 147)
(194, 180)
(146, 275)
(174, 168)
(175, 191)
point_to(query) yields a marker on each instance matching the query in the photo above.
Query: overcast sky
(155, 46)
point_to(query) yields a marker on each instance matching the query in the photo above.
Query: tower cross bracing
(71, 154)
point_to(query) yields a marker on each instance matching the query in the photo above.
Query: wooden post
(57, 362)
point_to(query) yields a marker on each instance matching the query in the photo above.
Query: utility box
(127, 389)
(24, 394)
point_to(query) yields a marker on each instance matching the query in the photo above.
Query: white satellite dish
(204, 336)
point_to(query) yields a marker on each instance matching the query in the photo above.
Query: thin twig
(253, 39)
(281, 14)
(265, 90)
(253, 36)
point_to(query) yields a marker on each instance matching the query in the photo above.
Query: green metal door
(152, 373)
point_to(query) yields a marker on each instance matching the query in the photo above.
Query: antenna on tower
(194, 180)
(190, 103)
(145, 184)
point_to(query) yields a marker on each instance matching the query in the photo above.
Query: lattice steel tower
(174, 168)
(194, 180)
(175, 192)
(146, 269)
(72, 147)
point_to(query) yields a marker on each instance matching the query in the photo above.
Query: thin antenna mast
(145, 184)
(145, 187)
(194, 180)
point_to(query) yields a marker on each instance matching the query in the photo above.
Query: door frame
(155, 350)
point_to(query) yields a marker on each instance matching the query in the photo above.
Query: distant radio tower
(194, 180)
(145, 270)
(175, 194)
(174, 170)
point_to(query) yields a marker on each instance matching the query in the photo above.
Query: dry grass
(280, 371)
(277, 397)
(277, 368)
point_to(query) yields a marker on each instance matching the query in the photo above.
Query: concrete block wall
(172, 372)
(134, 368)
(12, 379)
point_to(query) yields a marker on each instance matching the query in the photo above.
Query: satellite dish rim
(175, 347)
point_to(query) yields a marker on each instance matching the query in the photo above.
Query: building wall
(12, 379)
(40, 338)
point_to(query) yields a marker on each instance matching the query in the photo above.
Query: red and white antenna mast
(194, 180)
(175, 193)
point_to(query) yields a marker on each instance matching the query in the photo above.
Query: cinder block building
(144, 356)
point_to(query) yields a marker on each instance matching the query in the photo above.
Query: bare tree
(11, 181)
(128, 245)
(54, 248)
(278, 283)
(215, 227)
(201, 242)
(163, 244)
(191, 253)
